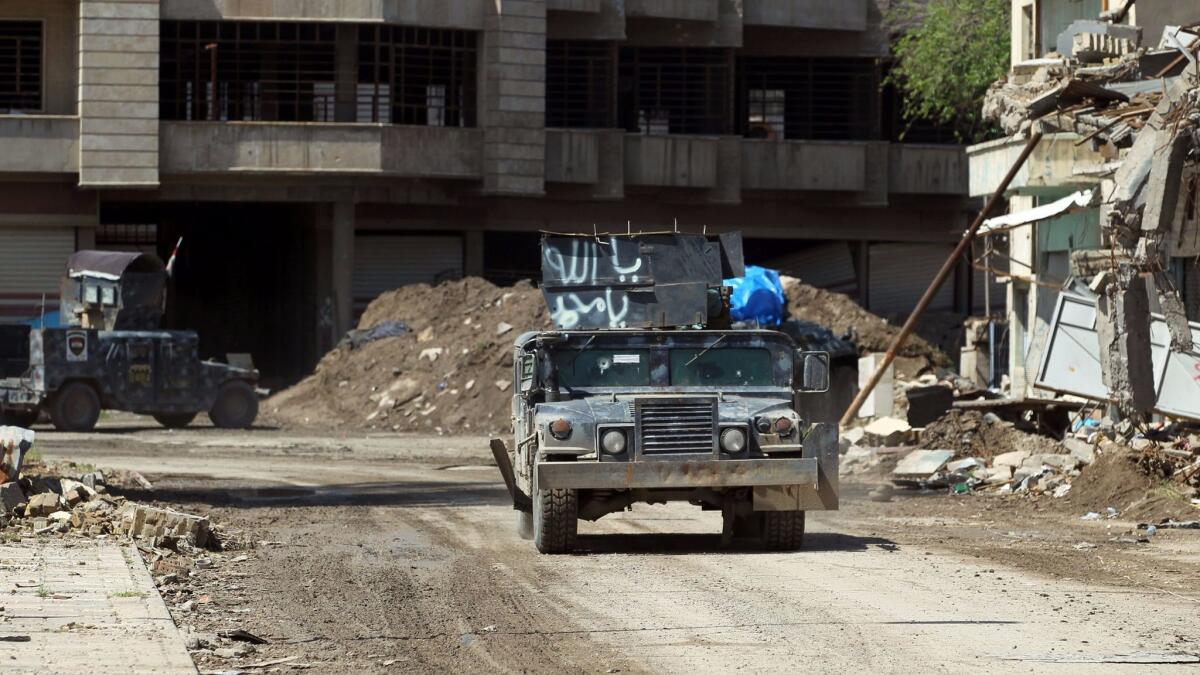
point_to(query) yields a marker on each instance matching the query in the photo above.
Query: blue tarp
(758, 296)
(53, 320)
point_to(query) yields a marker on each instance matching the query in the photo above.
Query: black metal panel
(635, 281)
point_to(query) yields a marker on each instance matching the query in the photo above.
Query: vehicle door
(177, 372)
(138, 375)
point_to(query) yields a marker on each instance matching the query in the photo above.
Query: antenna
(43, 319)
(629, 227)
(676, 226)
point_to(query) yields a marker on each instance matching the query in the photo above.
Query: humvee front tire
(236, 406)
(175, 420)
(555, 519)
(782, 530)
(76, 407)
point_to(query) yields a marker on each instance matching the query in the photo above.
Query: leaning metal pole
(940, 279)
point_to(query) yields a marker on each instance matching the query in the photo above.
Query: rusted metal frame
(938, 281)
(688, 474)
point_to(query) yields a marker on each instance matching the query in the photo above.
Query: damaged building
(311, 155)
(1105, 210)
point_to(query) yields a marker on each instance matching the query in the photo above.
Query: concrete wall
(60, 48)
(572, 156)
(118, 93)
(438, 13)
(1154, 15)
(687, 10)
(513, 83)
(1052, 165)
(573, 5)
(300, 148)
(39, 144)
(850, 15)
(927, 169)
(671, 161)
(804, 165)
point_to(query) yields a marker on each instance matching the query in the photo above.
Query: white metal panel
(383, 262)
(32, 262)
(900, 273)
(827, 265)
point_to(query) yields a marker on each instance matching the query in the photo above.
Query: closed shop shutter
(900, 273)
(383, 262)
(822, 265)
(32, 263)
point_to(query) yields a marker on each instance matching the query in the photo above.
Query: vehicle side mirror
(813, 375)
(528, 370)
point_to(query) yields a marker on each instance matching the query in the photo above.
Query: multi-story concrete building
(312, 154)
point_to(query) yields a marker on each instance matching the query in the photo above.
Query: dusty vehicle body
(606, 418)
(113, 356)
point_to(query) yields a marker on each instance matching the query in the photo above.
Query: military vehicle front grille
(676, 426)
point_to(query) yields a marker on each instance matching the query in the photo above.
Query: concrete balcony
(39, 144)
(835, 166)
(1056, 162)
(572, 156)
(686, 10)
(316, 149)
(466, 14)
(671, 161)
(850, 15)
(590, 6)
(927, 169)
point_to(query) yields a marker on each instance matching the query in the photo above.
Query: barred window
(809, 98)
(579, 84)
(410, 75)
(20, 66)
(247, 70)
(676, 90)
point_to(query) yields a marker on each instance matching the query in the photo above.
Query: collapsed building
(1103, 218)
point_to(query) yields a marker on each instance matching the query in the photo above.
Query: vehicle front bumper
(593, 475)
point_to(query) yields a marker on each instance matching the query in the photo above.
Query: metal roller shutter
(383, 262)
(827, 265)
(900, 273)
(32, 263)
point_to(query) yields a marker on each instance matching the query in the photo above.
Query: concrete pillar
(513, 81)
(728, 189)
(1124, 334)
(342, 239)
(610, 180)
(346, 82)
(473, 253)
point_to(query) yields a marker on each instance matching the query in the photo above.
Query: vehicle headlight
(613, 442)
(733, 440)
(784, 426)
(560, 429)
(763, 425)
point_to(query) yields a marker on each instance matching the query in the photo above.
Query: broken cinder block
(140, 521)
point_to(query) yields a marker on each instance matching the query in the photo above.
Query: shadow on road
(404, 494)
(665, 543)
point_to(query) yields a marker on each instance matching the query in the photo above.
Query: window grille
(579, 83)
(422, 76)
(676, 90)
(20, 66)
(809, 98)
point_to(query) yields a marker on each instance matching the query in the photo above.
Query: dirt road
(368, 554)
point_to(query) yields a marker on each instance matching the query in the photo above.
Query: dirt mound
(451, 373)
(841, 314)
(970, 435)
(1118, 478)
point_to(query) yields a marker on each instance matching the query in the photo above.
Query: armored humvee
(644, 395)
(113, 355)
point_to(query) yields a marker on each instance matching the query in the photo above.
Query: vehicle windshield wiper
(704, 351)
(582, 347)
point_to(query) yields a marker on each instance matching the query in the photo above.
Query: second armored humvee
(113, 355)
(637, 399)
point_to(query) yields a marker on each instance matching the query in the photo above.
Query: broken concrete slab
(850, 437)
(1012, 459)
(886, 431)
(1081, 450)
(44, 504)
(922, 464)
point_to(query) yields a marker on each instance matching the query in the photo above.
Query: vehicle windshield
(721, 367)
(603, 368)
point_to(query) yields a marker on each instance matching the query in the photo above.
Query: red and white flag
(174, 255)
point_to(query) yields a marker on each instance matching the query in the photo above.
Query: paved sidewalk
(86, 606)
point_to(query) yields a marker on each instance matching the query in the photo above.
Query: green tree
(947, 53)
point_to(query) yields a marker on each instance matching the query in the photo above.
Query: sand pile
(970, 434)
(841, 314)
(450, 374)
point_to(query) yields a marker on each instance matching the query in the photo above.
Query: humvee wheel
(782, 530)
(236, 406)
(555, 519)
(18, 419)
(75, 407)
(175, 420)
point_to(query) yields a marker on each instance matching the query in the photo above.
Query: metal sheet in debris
(1071, 360)
(923, 463)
